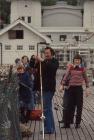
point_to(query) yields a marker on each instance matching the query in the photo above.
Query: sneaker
(26, 134)
(77, 126)
(66, 126)
(71, 122)
(61, 121)
(46, 132)
(49, 132)
(25, 130)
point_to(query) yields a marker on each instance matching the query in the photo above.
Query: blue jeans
(49, 124)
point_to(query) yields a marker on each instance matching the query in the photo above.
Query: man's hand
(39, 59)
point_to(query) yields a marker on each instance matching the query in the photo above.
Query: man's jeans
(48, 113)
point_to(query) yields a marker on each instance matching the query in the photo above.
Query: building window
(19, 34)
(31, 47)
(76, 38)
(19, 47)
(63, 37)
(68, 55)
(29, 19)
(16, 34)
(23, 18)
(26, 5)
(7, 47)
(49, 36)
(59, 55)
(1, 26)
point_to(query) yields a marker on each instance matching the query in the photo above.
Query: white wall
(33, 9)
(89, 14)
(60, 16)
(29, 39)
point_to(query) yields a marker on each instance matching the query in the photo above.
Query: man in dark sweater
(49, 69)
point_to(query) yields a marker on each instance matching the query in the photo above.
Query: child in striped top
(78, 76)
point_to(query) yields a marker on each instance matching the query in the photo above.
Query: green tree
(72, 2)
(49, 2)
(5, 10)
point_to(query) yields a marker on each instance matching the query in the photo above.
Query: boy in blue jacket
(25, 89)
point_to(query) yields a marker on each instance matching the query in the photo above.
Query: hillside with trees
(4, 11)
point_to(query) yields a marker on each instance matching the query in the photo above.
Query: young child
(77, 74)
(25, 61)
(25, 89)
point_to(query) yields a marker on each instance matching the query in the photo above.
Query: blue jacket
(25, 87)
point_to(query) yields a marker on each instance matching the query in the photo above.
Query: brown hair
(77, 57)
(24, 57)
(20, 67)
(51, 50)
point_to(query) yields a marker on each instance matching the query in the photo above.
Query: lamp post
(69, 43)
(70, 51)
(70, 55)
(41, 43)
(1, 54)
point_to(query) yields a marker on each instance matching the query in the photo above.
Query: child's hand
(61, 88)
(87, 92)
(70, 66)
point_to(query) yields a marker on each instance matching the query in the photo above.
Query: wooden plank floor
(86, 132)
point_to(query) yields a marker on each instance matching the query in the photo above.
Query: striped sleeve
(85, 78)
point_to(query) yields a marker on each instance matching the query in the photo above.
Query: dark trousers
(75, 101)
(24, 115)
(65, 106)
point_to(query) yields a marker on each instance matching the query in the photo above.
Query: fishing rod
(88, 109)
(42, 107)
(59, 106)
(25, 86)
(61, 97)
